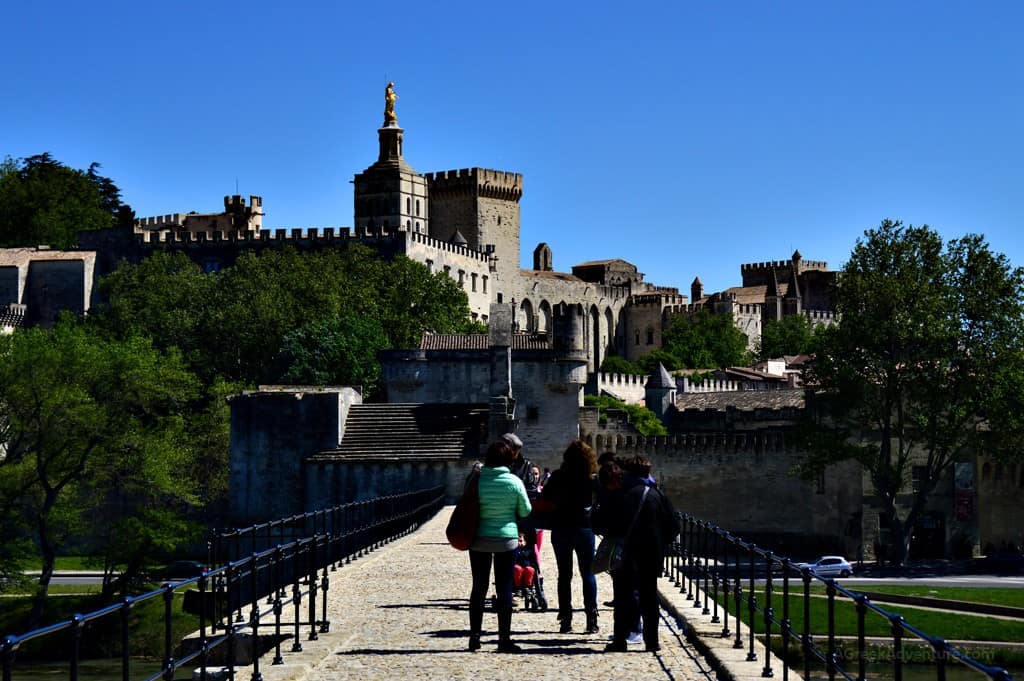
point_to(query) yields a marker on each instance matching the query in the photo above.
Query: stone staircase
(389, 432)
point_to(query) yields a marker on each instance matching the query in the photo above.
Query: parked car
(184, 569)
(829, 566)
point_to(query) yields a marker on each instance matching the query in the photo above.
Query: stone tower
(390, 193)
(483, 206)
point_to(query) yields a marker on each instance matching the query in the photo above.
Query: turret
(696, 290)
(660, 392)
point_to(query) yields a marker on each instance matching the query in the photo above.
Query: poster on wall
(964, 491)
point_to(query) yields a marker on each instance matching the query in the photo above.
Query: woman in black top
(571, 492)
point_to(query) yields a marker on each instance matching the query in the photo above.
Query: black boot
(542, 600)
(592, 627)
(476, 620)
(565, 618)
(505, 644)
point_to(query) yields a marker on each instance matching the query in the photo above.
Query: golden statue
(389, 104)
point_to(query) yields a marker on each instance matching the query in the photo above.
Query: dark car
(184, 569)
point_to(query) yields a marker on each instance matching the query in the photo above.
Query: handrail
(288, 571)
(708, 560)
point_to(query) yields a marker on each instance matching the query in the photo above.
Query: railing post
(296, 595)
(254, 617)
(168, 643)
(126, 657)
(325, 624)
(707, 566)
(768, 615)
(939, 645)
(311, 556)
(7, 660)
(203, 614)
(278, 560)
(715, 577)
(737, 585)
(805, 574)
(896, 622)
(76, 644)
(787, 623)
(830, 591)
(726, 540)
(862, 662)
(752, 608)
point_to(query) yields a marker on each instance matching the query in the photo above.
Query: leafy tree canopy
(284, 315)
(43, 201)
(93, 436)
(641, 418)
(923, 367)
(791, 335)
(705, 341)
(613, 364)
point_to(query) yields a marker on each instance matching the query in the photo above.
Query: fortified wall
(741, 481)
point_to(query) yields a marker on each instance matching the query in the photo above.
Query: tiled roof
(478, 341)
(745, 400)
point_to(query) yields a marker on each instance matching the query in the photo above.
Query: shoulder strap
(636, 515)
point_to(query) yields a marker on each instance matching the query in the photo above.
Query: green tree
(43, 201)
(613, 364)
(922, 367)
(648, 364)
(791, 335)
(339, 351)
(93, 433)
(706, 341)
(643, 419)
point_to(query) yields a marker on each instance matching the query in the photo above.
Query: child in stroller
(525, 575)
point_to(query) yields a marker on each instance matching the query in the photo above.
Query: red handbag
(465, 520)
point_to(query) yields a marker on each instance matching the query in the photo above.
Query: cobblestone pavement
(402, 613)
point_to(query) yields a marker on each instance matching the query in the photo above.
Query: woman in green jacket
(503, 501)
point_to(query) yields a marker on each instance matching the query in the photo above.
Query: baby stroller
(527, 583)
(526, 579)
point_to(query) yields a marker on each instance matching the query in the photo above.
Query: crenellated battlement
(438, 244)
(495, 184)
(783, 264)
(311, 234)
(713, 385)
(821, 316)
(661, 298)
(665, 447)
(173, 219)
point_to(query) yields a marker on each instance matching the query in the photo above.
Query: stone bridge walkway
(402, 613)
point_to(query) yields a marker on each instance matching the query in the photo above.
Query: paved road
(401, 613)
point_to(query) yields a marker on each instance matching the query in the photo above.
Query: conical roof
(660, 379)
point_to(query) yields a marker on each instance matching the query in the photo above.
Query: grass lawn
(1011, 597)
(945, 624)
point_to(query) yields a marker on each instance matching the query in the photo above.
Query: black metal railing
(271, 583)
(712, 565)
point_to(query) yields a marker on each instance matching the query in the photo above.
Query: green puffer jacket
(502, 500)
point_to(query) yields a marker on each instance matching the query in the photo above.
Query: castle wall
(12, 283)
(999, 512)
(272, 431)
(548, 391)
(330, 483)
(53, 286)
(643, 327)
(627, 388)
(469, 268)
(741, 481)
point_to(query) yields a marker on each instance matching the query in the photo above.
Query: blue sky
(685, 137)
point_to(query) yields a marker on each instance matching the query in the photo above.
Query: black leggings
(480, 563)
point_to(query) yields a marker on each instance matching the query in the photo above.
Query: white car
(828, 566)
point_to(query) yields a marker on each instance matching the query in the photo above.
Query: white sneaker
(635, 637)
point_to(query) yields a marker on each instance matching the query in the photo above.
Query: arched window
(650, 336)
(636, 338)
(408, 205)
(417, 207)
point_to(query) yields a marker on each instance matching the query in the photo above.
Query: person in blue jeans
(570, 494)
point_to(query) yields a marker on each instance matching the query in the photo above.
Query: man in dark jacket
(644, 516)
